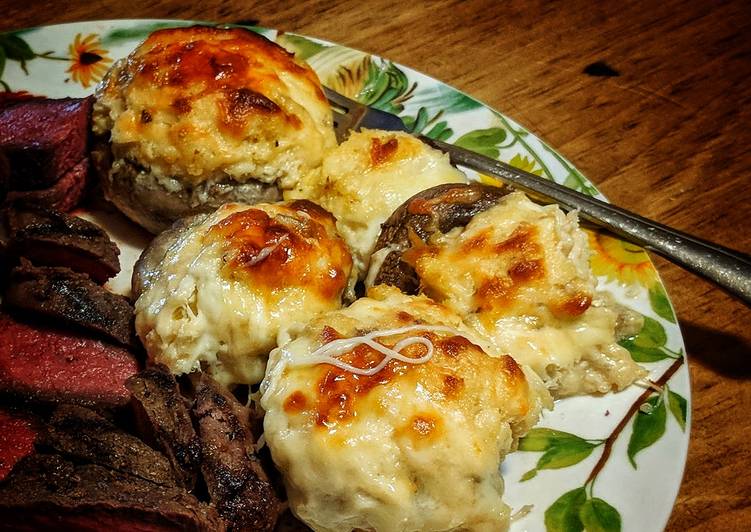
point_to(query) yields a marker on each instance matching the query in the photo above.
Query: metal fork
(729, 269)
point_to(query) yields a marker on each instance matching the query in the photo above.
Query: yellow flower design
(620, 261)
(489, 180)
(89, 61)
(528, 164)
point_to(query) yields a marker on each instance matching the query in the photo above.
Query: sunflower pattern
(89, 61)
(620, 261)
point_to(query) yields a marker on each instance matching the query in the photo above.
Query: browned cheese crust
(437, 209)
(200, 116)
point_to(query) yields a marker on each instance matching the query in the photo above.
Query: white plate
(584, 481)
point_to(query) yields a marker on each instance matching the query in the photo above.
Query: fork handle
(729, 269)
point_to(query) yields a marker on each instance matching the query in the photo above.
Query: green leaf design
(598, 516)
(440, 131)
(649, 344)
(421, 120)
(648, 427)
(645, 354)
(138, 33)
(576, 181)
(561, 449)
(565, 454)
(446, 98)
(542, 439)
(659, 302)
(386, 87)
(678, 407)
(483, 141)
(563, 514)
(300, 46)
(16, 49)
(652, 334)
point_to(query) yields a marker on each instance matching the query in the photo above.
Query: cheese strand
(328, 353)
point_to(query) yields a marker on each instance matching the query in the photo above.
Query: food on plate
(64, 195)
(237, 484)
(437, 209)
(519, 275)
(49, 492)
(39, 363)
(19, 431)
(214, 291)
(163, 420)
(83, 468)
(367, 177)
(387, 415)
(82, 434)
(394, 413)
(45, 144)
(53, 238)
(4, 176)
(70, 297)
(200, 116)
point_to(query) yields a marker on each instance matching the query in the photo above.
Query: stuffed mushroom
(519, 275)
(214, 290)
(390, 415)
(369, 175)
(200, 116)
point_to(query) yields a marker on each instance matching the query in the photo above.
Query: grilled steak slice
(81, 433)
(40, 363)
(63, 195)
(6, 264)
(18, 433)
(11, 97)
(49, 237)
(72, 298)
(238, 486)
(164, 421)
(47, 492)
(4, 176)
(44, 139)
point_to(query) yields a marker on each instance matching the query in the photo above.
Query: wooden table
(667, 136)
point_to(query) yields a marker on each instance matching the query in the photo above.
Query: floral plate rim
(651, 417)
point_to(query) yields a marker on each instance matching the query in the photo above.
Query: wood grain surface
(667, 137)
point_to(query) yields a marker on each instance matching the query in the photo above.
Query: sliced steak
(72, 298)
(63, 195)
(4, 176)
(164, 421)
(40, 363)
(18, 433)
(47, 492)
(83, 434)
(238, 486)
(11, 97)
(7, 262)
(44, 139)
(52, 238)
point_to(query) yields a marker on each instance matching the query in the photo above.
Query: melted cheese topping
(228, 284)
(411, 446)
(520, 276)
(207, 104)
(368, 176)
